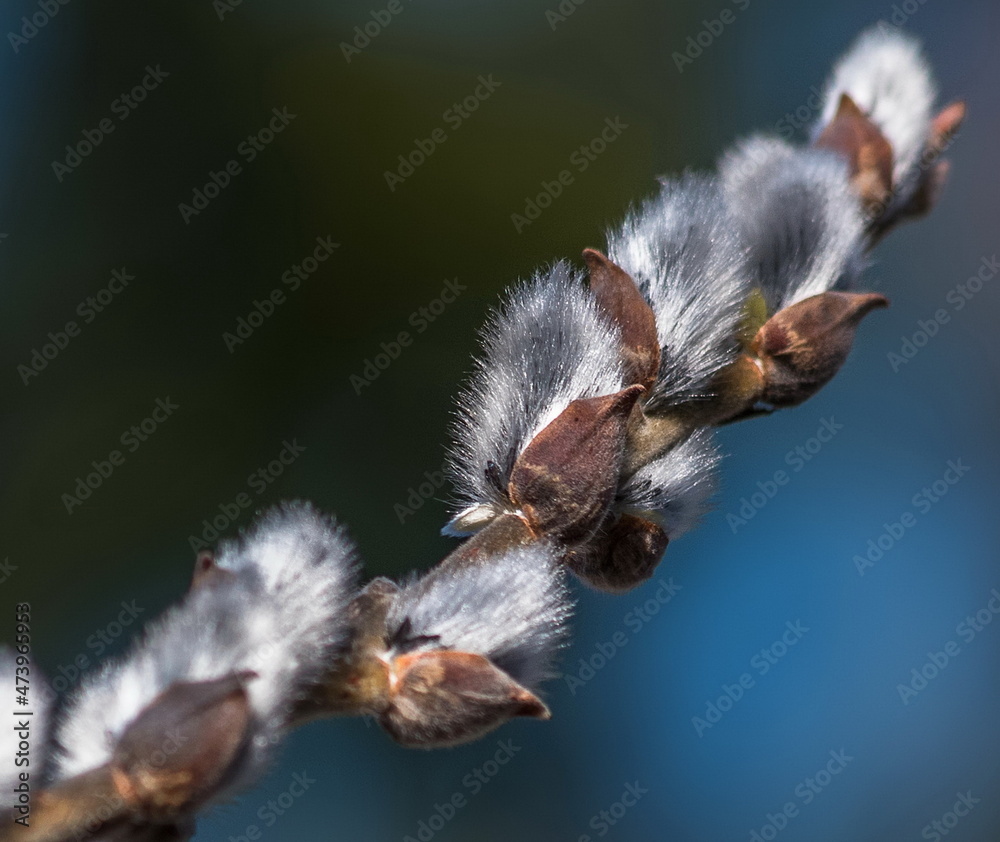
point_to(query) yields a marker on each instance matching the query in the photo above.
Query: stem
(737, 388)
(74, 808)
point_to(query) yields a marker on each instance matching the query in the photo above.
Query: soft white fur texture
(546, 346)
(677, 488)
(683, 251)
(800, 222)
(886, 74)
(280, 615)
(513, 610)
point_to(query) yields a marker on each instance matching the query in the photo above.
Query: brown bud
(206, 571)
(803, 346)
(868, 152)
(183, 747)
(444, 698)
(619, 297)
(944, 126)
(622, 556)
(932, 176)
(565, 479)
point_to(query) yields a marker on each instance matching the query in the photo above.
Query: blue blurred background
(820, 743)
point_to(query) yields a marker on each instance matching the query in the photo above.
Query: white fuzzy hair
(512, 609)
(677, 487)
(280, 616)
(886, 74)
(546, 346)
(39, 704)
(800, 222)
(681, 249)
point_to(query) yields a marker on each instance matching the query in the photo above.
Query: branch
(583, 444)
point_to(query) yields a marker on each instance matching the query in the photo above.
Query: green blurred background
(223, 68)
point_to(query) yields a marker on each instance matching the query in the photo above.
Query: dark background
(451, 219)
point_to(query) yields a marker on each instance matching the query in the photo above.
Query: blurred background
(729, 724)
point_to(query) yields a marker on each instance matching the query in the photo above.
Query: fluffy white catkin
(682, 250)
(279, 615)
(886, 74)
(801, 224)
(512, 610)
(677, 487)
(546, 346)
